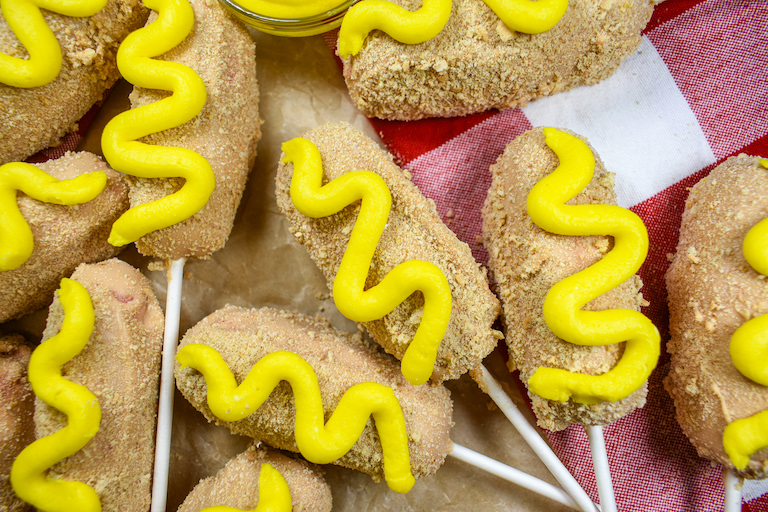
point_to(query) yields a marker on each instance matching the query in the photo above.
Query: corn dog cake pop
(61, 236)
(117, 368)
(240, 485)
(408, 439)
(591, 380)
(204, 134)
(17, 406)
(42, 100)
(410, 234)
(713, 292)
(483, 57)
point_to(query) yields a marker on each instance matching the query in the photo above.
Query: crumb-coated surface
(225, 133)
(414, 231)
(712, 292)
(37, 118)
(64, 236)
(476, 63)
(17, 406)
(525, 262)
(340, 360)
(121, 366)
(237, 485)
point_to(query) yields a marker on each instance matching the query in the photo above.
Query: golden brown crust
(237, 484)
(121, 366)
(526, 262)
(222, 52)
(414, 232)
(476, 63)
(244, 336)
(713, 291)
(64, 236)
(17, 405)
(37, 118)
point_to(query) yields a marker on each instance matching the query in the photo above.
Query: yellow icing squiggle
(318, 441)
(28, 25)
(79, 405)
(316, 200)
(410, 27)
(564, 302)
(16, 242)
(413, 27)
(749, 352)
(527, 16)
(744, 437)
(274, 495)
(120, 142)
(756, 242)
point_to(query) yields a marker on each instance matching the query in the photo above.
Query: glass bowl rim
(289, 22)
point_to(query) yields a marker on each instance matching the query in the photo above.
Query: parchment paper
(262, 265)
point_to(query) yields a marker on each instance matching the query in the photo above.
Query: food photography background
(694, 93)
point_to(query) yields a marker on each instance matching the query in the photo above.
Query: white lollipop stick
(602, 470)
(733, 484)
(513, 475)
(535, 441)
(165, 408)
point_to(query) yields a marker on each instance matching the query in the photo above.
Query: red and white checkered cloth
(695, 93)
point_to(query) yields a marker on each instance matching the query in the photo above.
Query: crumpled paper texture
(262, 265)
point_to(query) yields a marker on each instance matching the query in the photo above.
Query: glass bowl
(297, 27)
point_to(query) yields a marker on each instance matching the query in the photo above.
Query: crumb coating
(712, 292)
(37, 118)
(414, 231)
(121, 366)
(525, 262)
(64, 236)
(237, 484)
(225, 133)
(17, 407)
(340, 360)
(478, 64)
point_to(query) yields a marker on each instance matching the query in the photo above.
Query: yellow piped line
(527, 16)
(744, 437)
(16, 241)
(274, 495)
(562, 306)
(316, 200)
(318, 441)
(756, 242)
(413, 27)
(74, 400)
(28, 25)
(410, 27)
(749, 352)
(120, 142)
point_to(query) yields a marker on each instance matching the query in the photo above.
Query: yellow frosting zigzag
(744, 437)
(28, 25)
(749, 352)
(274, 495)
(79, 405)
(120, 142)
(318, 441)
(316, 200)
(562, 306)
(413, 27)
(16, 241)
